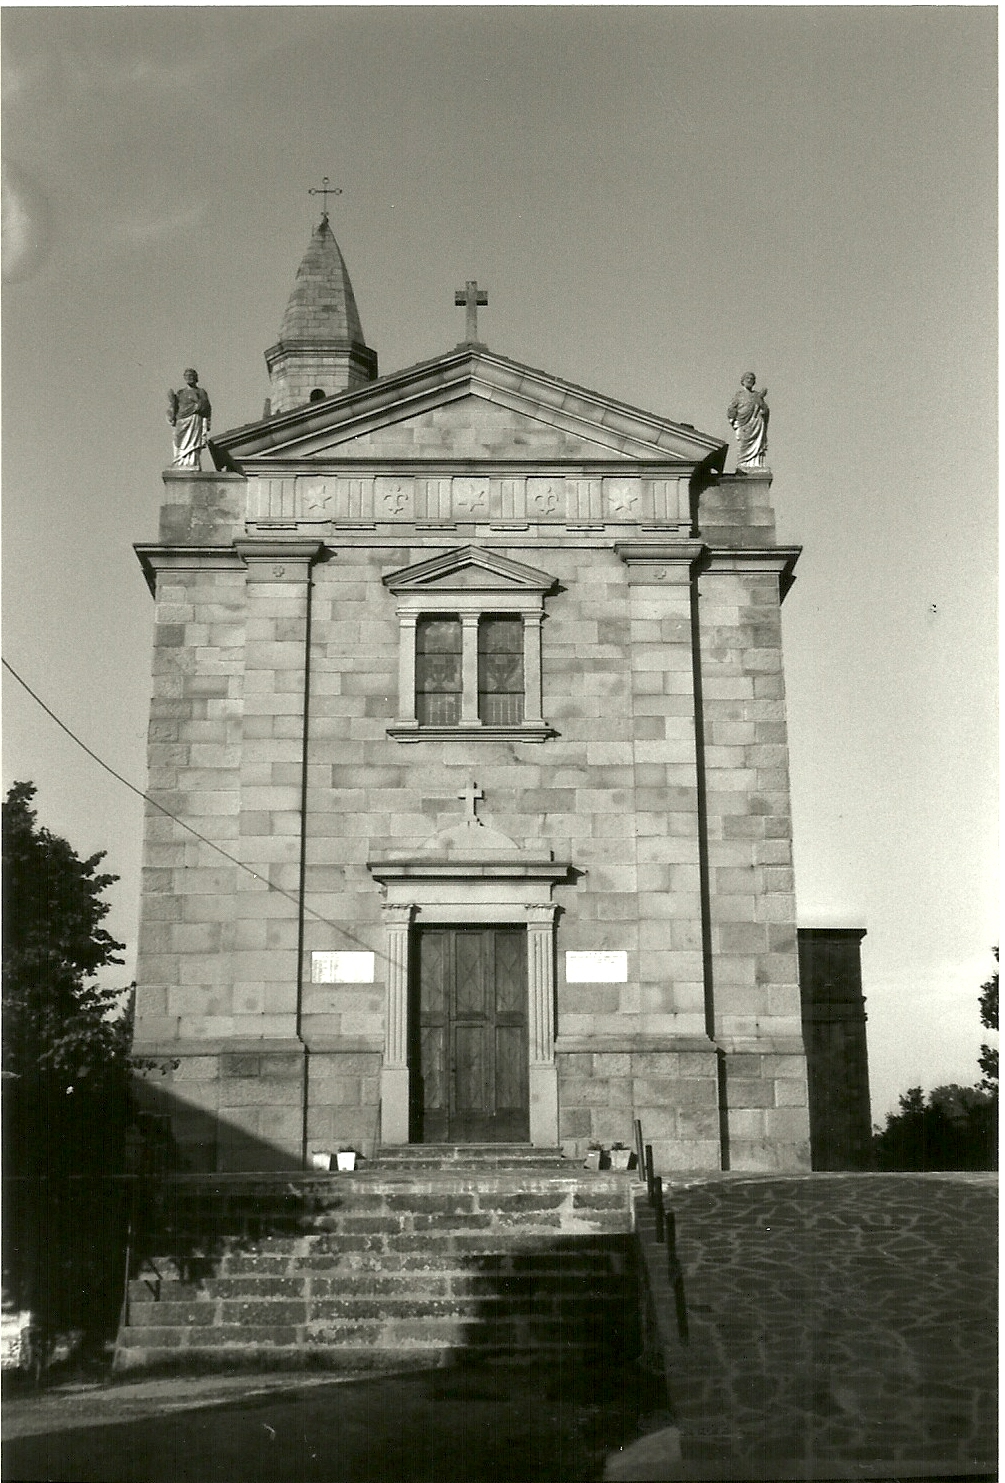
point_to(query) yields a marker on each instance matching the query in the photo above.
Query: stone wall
(834, 1019)
(666, 786)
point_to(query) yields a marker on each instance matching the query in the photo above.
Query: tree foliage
(955, 1127)
(989, 1019)
(66, 1082)
(56, 1017)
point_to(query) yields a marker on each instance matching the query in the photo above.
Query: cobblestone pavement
(842, 1318)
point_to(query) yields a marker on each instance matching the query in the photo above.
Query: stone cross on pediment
(469, 297)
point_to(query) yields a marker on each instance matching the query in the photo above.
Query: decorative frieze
(369, 499)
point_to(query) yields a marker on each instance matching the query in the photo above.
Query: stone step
(438, 1260)
(501, 1251)
(471, 1155)
(484, 1307)
(439, 1331)
(350, 1359)
(201, 1210)
(377, 1283)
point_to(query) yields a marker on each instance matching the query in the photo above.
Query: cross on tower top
(469, 297)
(324, 190)
(472, 793)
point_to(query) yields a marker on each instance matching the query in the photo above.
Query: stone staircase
(430, 1254)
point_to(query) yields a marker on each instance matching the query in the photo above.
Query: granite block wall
(276, 665)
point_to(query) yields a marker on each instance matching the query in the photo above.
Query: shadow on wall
(180, 1137)
(81, 1203)
(242, 1110)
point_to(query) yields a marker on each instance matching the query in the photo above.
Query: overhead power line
(159, 806)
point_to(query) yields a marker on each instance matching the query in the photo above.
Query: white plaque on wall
(596, 968)
(342, 968)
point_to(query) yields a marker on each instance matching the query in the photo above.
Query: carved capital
(541, 914)
(279, 560)
(395, 915)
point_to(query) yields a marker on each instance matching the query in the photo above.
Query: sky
(657, 199)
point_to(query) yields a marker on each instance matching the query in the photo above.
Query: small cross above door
(471, 795)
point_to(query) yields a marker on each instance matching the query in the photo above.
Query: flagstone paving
(843, 1319)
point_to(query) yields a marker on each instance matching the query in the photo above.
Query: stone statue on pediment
(188, 415)
(748, 416)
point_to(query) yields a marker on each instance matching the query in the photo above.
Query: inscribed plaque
(596, 968)
(342, 968)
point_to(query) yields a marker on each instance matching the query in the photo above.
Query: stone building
(475, 678)
(830, 978)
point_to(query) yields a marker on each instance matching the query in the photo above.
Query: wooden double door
(468, 1036)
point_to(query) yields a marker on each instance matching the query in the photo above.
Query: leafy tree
(989, 1019)
(56, 1018)
(65, 1077)
(953, 1128)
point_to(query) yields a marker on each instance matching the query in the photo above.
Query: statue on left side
(189, 415)
(748, 416)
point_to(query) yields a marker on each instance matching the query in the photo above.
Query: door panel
(511, 1069)
(469, 1035)
(471, 1090)
(511, 973)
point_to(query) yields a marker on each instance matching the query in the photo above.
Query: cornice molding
(292, 549)
(660, 552)
(422, 868)
(166, 1050)
(445, 466)
(625, 430)
(237, 556)
(158, 558)
(198, 476)
(629, 1043)
(780, 560)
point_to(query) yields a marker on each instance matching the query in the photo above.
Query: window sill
(533, 731)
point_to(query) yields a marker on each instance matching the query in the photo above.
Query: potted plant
(621, 1157)
(592, 1160)
(346, 1160)
(321, 1161)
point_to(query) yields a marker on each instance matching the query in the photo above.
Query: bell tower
(321, 350)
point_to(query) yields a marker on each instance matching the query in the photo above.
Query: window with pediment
(470, 648)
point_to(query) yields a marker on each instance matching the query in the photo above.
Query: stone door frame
(499, 898)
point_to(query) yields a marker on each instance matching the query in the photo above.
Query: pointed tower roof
(322, 305)
(321, 350)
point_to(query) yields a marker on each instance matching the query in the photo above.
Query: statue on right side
(748, 416)
(188, 416)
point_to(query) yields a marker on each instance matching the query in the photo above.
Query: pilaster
(751, 888)
(543, 1071)
(394, 1072)
(668, 802)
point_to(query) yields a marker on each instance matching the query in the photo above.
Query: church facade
(467, 684)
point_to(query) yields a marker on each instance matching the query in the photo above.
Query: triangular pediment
(469, 568)
(472, 426)
(470, 405)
